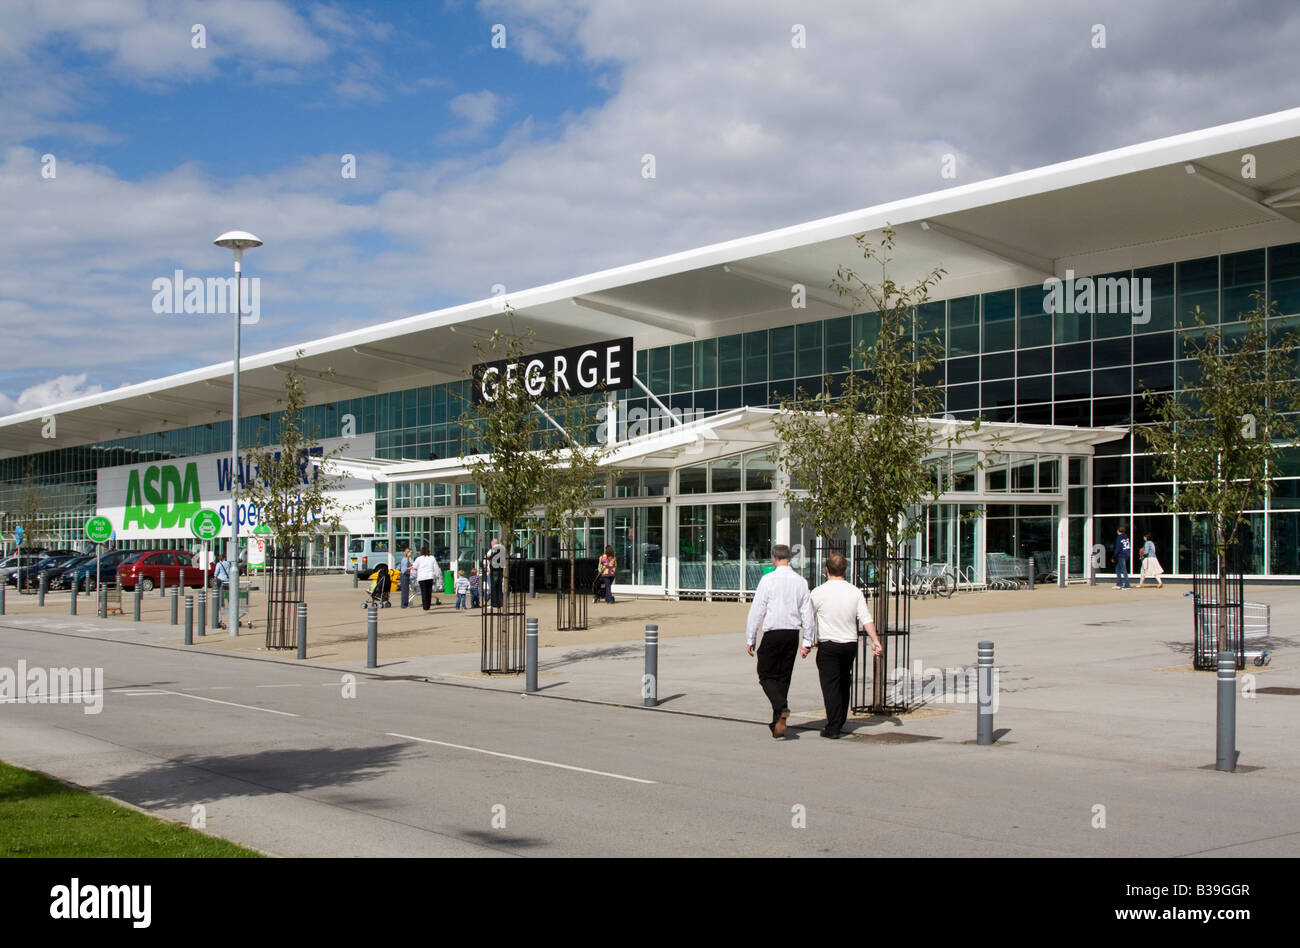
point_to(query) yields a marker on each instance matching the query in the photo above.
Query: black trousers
(496, 588)
(835, 668)
(776, 655)
(426, 592)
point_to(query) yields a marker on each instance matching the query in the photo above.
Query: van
(365, 553)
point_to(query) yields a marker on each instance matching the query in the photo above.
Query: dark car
(151, 568)
(29, 576)
(82, 573)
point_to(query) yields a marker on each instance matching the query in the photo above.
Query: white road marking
(527, 760)
(277, 686)
(250, 707)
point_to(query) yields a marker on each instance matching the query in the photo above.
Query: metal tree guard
(884, 582)
(1207, 610)
(286, 587)
(503, 628)
(571, 611)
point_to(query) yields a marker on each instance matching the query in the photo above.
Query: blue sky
(478, 165)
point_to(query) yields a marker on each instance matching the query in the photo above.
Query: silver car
(15, 561)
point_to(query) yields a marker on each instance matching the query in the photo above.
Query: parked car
(30, 575)
(150, 568)
(83, 573)
(366, 553)
(16, 560)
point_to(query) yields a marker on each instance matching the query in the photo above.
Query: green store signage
(162, 496)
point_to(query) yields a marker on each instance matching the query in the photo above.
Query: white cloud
(478, 112)
(49, 392)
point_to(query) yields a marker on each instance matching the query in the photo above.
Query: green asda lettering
(172, 500)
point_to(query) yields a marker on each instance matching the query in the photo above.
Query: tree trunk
(573, 562)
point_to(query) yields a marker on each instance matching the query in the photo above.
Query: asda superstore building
(1064, 287)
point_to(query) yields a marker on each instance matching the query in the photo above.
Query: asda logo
(162, 496)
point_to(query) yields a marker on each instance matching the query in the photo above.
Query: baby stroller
(380, 587)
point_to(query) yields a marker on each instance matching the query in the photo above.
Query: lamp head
(237, 240)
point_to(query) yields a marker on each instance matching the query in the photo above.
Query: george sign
(580, 370)
(206, 525)
(99, 529)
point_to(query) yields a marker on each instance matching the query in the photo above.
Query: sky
(503, 142)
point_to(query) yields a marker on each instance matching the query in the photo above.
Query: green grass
(44, 818)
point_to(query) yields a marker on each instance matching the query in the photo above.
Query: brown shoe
(778, 729)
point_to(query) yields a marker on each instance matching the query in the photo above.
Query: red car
(150, 567)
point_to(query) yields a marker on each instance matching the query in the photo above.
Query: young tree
(856, 456)
(1219, 443)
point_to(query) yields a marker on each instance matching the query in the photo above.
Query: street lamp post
(238, 241)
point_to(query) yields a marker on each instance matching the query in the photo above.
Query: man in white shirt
(842, 614)
(782, 609)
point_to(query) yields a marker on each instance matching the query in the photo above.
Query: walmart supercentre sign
(158, 500)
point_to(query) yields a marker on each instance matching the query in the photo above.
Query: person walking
(221, 579)
(605, 569)
(426, 574)
(473, 588)
(782, 610)
(462, 591)
(1151, 568)
(1123, 551)
(841, 614)
(404, 580)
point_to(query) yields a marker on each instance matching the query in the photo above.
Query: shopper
(1123, 551)
(496, 560)
(1151, 568)
(605, 570)
(474, 588)
(841, 614)
(782, 609)
(404, 581)
(462, 591)
(426, 574)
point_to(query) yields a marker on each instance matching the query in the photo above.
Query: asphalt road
(280, 759)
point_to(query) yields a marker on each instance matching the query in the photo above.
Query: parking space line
(527, 760)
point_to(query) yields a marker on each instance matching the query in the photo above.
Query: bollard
(984, 687)
(182, 577)
(530, 655)
(189, 620)
(139, 594)
(102, 595)
(201, 621)
(2, 598)
(650, 681)
(302, 630)
(162, 586)
(1060, 573)
(372, 636)
(532, 589)
(42, 586)
(354, 578)
(72, 603)
(215, 606)
(1031, 571)
(1226, 758)
(175, 602)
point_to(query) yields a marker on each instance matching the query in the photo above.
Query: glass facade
(1007, 356)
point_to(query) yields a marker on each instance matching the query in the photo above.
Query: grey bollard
(182, 577)
(189, 620)
(1031, 571)
(354, 578)
(102, 594)
(530, 655)
(650, 681)
(175, 602)
(984, 687)
(2, 598)
(72, 602)
(215, 607)
(1226, 758)
(135, 607)
(302, 630)
(42, 585)
(532, 588)
(162, 586)
(372, 636)
(201, 620)
(1060, 573)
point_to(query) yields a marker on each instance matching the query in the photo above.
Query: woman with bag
(1151, 568)
(605, 573)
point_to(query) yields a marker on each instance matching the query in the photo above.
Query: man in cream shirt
(782, 610)
(841, 614)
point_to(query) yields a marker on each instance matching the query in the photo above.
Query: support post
(984, 686)
(189, 620)
(1226, 758)
(1060, 573)
(175, 602)
(530, 655)
(650, 680)
(42, 584)
(372, 636)
(201, 621)
(532, 587)
(135, 601)
(162, 585)
(302, 630)
(72, 602)
(1031, 570)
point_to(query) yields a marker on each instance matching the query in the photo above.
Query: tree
(570, 486)
(1219, 442)
(508, 455)
(856, 453)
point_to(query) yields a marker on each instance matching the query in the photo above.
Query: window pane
(756, 357)
(706, 363)
(730, 361)
(1035, 320)
(760, 471)
(1159, 301)
(809, 340)
(931, 320)
(999, 321)
(964, 326)
(1284, 278)
(660, 365)
(1243, 274)
(781, 348)
(838, 343)
(1112, 304)
(683, 367)
(726, 475)
(693, 480)
(999, 366)
(1198, 285)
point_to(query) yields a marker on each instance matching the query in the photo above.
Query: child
(462, 588)
(473, 587)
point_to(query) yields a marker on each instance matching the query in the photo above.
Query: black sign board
(598, 366)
